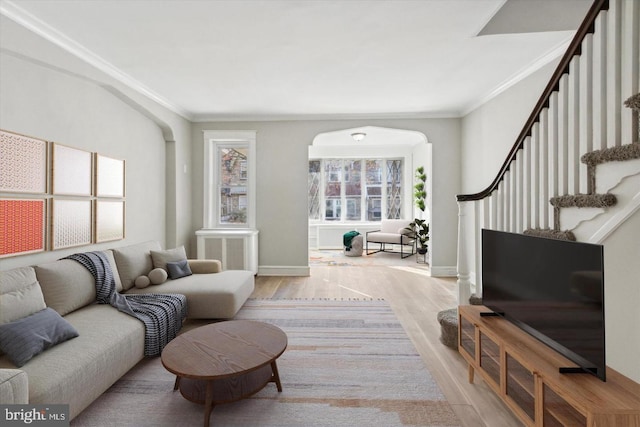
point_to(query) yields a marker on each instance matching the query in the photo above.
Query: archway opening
(359, 176)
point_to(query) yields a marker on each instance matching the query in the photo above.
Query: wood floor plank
(415, 298)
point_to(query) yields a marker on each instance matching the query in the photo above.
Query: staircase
(574, 170)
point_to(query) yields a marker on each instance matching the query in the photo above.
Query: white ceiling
(233, 60)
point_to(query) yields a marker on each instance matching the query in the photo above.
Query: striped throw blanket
(162, 314)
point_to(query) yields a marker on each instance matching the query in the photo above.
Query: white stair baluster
(535, 176)
(552, 141)
(629, 67)
(614, 98)
(600, 82)
(563, 136)
(526, 185)
(573, 142)
(543, 167)
(586, 109)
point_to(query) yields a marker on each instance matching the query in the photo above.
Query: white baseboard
(283, 270)
(444, 271)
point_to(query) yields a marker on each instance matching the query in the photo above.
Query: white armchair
(392, 232)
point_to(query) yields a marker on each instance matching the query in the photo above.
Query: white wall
(489, 131)
(49, 94)
(282, 151)
(622, 298)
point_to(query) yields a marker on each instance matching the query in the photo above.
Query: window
(229, 199)
(337, 184)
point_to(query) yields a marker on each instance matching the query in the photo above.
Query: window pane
(233, 205)
(394, 189)
(353, 209)
(374, 209)
(233, 189)
(333, 178)
(314, 189)
(332, 210)
(374, 190)
(352, 171)
(233, 166)
(332, 189)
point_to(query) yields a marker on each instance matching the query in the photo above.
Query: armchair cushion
(395, 226)
(391, 231)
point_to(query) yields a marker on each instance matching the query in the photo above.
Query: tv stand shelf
(524, 373)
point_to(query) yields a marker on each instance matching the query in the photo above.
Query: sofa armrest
(205, 266)
(14, 387)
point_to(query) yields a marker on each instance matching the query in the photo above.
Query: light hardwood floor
(416, 298)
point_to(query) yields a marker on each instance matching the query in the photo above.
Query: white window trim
(213, 139)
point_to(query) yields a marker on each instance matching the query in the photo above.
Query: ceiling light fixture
(358, 136)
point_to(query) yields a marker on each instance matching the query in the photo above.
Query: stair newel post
(464, 244)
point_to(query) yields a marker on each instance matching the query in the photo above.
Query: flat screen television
(552, 289)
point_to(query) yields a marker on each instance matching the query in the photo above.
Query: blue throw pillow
(178, 269)
(25, 338)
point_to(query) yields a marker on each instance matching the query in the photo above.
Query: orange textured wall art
(21, 226)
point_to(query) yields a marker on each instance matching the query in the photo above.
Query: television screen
(553, 289)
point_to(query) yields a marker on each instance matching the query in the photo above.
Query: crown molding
(543, 60)
(203, 118)
(41, 28)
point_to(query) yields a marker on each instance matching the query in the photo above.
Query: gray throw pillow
(25, 338)
(178, 269)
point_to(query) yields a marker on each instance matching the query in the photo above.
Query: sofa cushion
(178, 269)
(134, 261)
(161, 258)
(209, 296)
(20, 294)
(66, 285)
(25, 338)
(14, 387)
(78, 371)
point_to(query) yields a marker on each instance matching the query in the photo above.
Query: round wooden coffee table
(224, 362)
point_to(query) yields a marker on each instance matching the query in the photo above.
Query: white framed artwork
(110, 215)
(23, 163)
(71, 223)
(71, 171)
(110, 177)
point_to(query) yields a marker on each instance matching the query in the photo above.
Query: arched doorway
(357, 176)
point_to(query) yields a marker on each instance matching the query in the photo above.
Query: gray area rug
(348, 363)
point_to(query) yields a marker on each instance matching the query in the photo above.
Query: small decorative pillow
(157, 276)
(142, 282)
(25, 338)
(178, 269)
(161, 258)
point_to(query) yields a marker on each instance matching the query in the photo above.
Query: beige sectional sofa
(109, 343)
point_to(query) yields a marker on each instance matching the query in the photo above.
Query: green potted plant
(420, 227)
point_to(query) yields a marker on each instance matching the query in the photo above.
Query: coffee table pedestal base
(225, 390)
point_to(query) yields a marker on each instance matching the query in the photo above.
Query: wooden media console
(524, 372)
